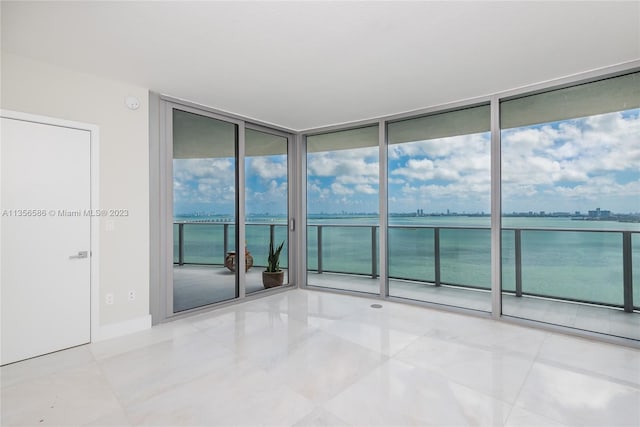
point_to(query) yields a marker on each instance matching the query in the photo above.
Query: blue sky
(578, 164)
(207, 185)
(573, 165)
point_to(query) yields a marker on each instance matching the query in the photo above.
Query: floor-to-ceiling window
(439, 189)
(204, 210)
(343, 210)
(571, 206)
(266, 204)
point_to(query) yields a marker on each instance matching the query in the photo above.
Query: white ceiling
(308, 64)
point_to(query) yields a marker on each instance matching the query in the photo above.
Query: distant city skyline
(423, 213)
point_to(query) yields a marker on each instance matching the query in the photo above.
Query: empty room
(320, 213)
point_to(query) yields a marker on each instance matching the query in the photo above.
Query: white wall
(40, 88)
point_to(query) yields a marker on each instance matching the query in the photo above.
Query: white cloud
(359, 162)
(187, 169)
(274, 190)
(268, 167)
(366, 189)
(543, 167)
(464, 159)
(579, 149)
(425, 170)
(273, 199)
(441, 147)
(603, 186)
(581, 165)
(314, 187)
(204, 181)
(545, 164)
(351, 171)
(339, 189)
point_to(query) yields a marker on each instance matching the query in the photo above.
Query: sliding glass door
(266, 202)
(204, 210)
(230, 208)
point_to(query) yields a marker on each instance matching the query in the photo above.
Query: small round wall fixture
(376, 305)
(132, 102)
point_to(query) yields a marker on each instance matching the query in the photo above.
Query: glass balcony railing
(205, 243)
(590, 266)
(339, 248)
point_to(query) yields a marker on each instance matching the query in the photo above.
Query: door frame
(292, 189)
(94, 231)
(161, 202)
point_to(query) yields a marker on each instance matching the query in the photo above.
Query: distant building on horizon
(599, 213)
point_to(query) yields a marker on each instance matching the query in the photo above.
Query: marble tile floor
(310, 358)
(447, 295)
(610, 321)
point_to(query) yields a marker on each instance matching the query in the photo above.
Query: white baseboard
(122, 328)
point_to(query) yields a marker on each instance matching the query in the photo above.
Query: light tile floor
(610, 321)
(309, 358)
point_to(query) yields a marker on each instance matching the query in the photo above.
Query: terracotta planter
(272, 279)
(230, 261)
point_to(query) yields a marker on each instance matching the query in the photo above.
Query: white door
(45, 238)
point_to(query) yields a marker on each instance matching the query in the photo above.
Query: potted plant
(273, 276)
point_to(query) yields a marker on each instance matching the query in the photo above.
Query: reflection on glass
(439, 203)
(266, 204)
(570, 180)
(342, 210)
(204, 209)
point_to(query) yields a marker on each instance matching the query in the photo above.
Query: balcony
(573, 277)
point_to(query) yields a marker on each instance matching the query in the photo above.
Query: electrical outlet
(132, 295)
(109, 299)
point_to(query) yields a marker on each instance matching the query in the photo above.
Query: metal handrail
(627, 249)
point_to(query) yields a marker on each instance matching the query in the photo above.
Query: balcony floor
(196, 285)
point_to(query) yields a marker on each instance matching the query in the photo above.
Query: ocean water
(578, 260)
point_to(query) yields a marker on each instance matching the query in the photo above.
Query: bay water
(574, 259)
